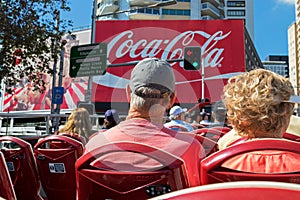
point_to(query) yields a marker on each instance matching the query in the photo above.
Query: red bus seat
(104, 182)
(6, 187)
(291, 136)
(22, 167)
(212, 171)
(76, 137)
(224, 129)
(210, 133)
(209, 145)
(55, 156)
(245, 190)
(177, 128)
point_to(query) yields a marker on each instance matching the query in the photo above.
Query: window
(236, 4)
(176, 12)
(155, 11)
(236, 13)
(187, 12)
(146, 10)
(180, 12)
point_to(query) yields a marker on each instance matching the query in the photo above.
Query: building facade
(184, 9)
(234, 9)
(294, 49)
(277, 64)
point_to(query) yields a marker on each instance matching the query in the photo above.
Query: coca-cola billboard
(222, 49)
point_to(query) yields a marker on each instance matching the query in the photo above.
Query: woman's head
(78, 123)
(255, 103)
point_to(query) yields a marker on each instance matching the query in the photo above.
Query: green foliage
(30, 37)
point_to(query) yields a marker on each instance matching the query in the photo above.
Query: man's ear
(128, 93)
(172, 100)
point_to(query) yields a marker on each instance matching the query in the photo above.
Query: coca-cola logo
(222, 49)
(131, 44)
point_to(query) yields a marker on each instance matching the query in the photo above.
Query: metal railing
(35, 123)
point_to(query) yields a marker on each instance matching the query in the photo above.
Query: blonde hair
(254, 102)
(78, 123)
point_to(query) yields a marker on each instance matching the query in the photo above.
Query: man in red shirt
(150, 92)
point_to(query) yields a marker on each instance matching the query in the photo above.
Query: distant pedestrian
(206, 117)
(111, 119)
(195, 119)
(218, 114)
(177, 120)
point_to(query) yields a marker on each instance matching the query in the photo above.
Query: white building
(184, 9)
(278, 64)
(294, 49)
(241, 10)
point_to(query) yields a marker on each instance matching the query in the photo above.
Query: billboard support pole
(202, 83)
(2, 95)
(202, 80)
(88, 93)
(60, 73)
(54, 120)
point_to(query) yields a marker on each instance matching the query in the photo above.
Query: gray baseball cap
(152, 72)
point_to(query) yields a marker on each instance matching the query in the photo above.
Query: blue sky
(271, 21)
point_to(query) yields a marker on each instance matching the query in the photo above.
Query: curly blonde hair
(254, 102)
(78, 123)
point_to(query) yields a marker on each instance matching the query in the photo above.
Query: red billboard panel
(222, 49)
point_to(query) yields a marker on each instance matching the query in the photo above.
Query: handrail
(13, 129)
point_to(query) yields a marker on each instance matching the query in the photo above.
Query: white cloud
(291, 2)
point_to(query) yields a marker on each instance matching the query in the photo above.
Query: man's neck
(155, 119)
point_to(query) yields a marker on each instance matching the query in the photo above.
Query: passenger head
(151, 88)
(195, 116)
(187, 117)
(219, 111)
(177, 113)
(111, 118)
(78, 123)
(256, 103)
(205, 116)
